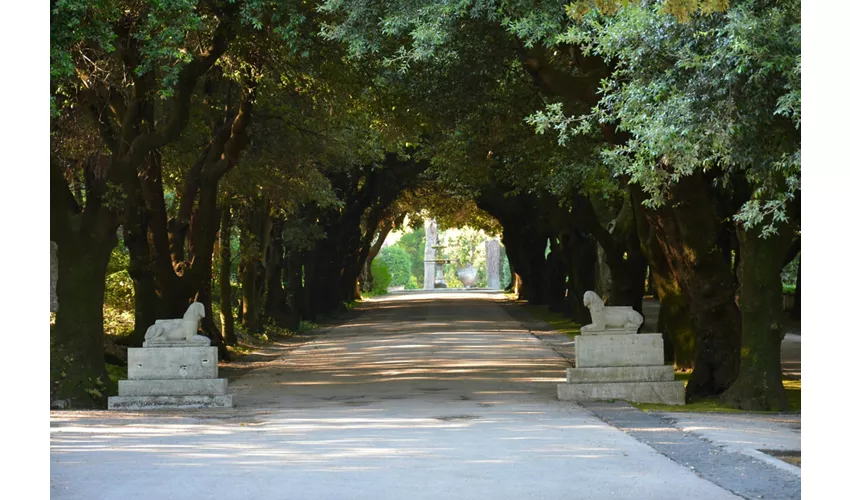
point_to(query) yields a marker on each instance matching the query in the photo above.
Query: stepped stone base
(169, 402)
(188, 387)
(670, 392)
(620, 374)
(174, 374)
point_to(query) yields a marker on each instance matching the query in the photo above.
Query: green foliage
(381, 276)
(116, 373)
(718, 92)
(413, 284)
(465, 246)
(413, 244)
(398, 263)
(789, 275)
(118, 321)
(119, 293)
(504, 269)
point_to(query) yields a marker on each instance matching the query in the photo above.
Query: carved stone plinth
(618, 366)
(181, 375)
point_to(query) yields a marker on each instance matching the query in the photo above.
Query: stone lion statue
(186, 329)
(610, 318)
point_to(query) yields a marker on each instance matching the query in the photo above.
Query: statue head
(196, 311)
(590, 297)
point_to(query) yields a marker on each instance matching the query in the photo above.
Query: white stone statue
(179, 330)
(609, 320)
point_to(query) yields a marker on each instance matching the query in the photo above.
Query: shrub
(412, 283)
(414, 244)
(381, 276)
(119, 292)
(398, 262)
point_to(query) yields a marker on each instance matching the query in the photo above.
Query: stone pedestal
(176, 374)
(493, 254)
(430, 253)
(621, 366)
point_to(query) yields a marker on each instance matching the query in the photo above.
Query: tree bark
(557, 267)
(674, 318)
(687, 236)
(622, 250)
(228, 332)
(85, 237)
(674, 321)
(277, 307)
(759, 382)
(796, 311)
(581, 256)
(255, 233)
(294, 289)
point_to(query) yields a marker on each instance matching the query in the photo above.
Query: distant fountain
(434, 261)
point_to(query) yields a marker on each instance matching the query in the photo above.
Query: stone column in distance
(430, 239)
(492, 249)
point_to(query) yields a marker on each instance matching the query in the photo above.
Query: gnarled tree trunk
(85, 237)
(674, 318)
(759, 383)
(687, 236)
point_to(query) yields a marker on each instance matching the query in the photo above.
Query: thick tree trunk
(77, 368)
(197, 280)
(277, 307)
(581, 255)
(526, 249)
(759, 382)
(796, 311)
(674, 319)
(687, 236)
(308, 308)
(294, 288)
(556, 276)
(85, 238)
(274, 272)
(621, 248)
(674, 322)
(255, 233)
(146, 238)
(384, 229)
(228, 332)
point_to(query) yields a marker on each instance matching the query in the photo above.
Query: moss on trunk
(759, 382)
(77, 369)
(687, 236)
(674, 318)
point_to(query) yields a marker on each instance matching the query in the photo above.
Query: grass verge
(712, 405)
(557, 321)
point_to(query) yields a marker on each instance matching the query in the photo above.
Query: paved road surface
(421, 396)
